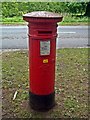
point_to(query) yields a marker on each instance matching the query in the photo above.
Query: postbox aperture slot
(44, 47)
(44, 32)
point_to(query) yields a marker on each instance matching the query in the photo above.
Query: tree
(87, 13)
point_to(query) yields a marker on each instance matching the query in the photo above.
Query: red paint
(42, 75)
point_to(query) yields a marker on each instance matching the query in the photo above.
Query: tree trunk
(87, 13)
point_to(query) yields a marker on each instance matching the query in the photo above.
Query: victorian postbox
(42, 53)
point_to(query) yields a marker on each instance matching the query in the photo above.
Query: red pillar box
(42, 53)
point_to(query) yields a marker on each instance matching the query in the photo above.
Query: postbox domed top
(42, 15)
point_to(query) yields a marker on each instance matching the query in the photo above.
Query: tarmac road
(16, 37)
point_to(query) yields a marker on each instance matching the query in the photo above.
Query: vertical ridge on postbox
(42, 54)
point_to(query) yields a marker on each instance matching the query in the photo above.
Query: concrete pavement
(16, 37)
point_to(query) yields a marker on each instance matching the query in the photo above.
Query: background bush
(10, 9)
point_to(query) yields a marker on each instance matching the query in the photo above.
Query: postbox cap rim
(42, 14)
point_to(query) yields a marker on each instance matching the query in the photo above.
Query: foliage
(10, 9)
(76, 8)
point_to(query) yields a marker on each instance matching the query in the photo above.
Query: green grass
(71, 85)
(67, 20)
(12, 20)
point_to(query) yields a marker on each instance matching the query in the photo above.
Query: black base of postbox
(42, 102)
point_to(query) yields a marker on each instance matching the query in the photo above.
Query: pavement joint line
(25, 26)
(10, 50)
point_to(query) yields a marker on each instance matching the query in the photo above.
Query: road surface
(16, 37)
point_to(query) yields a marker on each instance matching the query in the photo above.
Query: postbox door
(42, 66)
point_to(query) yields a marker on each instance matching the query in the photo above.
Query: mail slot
(42, 28)
(44, 32)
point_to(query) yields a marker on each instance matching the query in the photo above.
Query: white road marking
(67, 32)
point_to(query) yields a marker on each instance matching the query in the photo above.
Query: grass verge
(71, 85)
(67, 20)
